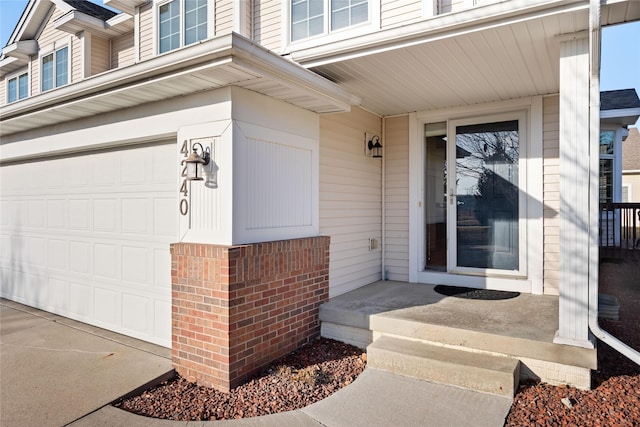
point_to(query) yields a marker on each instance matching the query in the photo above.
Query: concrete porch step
(474, 371)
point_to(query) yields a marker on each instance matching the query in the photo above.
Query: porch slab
(523, 327)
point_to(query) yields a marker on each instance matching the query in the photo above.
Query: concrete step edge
(481, 372)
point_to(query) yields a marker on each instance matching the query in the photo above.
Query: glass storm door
(483, 200)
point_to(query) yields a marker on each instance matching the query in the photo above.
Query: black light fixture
(196, 161)
(374, 147)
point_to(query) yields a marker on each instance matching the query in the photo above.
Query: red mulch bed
(318, 370)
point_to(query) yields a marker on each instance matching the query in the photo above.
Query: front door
(473, 197)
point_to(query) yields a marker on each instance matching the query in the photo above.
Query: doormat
(470, 293)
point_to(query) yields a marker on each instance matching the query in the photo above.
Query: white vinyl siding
(400, 12)
(122, 51)
(551, 188)
(100, 55)
(146, 32)
(396, 153)
(350, 199)
(51, 39)
(224, 16)
(267, 25)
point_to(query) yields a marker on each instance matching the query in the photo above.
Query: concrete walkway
(56, 372)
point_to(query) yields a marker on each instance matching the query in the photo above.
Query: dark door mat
(470, 293)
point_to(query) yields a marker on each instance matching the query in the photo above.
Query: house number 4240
(184, 203)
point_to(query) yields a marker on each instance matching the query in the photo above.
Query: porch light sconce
(374, 148)
(197, 161)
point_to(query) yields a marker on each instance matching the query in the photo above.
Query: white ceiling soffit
(498, 60)
(126, 6)
(74, 22)
(219, 62)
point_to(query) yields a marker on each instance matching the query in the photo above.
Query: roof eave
(219, 52)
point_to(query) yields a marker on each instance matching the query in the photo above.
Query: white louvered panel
(280, 183)
(205, 207)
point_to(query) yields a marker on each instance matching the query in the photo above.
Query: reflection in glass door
(435, 196)
(484, 196)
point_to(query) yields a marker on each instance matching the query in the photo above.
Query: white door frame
(533, 215)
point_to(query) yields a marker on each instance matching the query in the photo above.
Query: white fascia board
(228, 48)
(24, 18)
(73, 22)
(8, 65)
(627, 116)
(435, 28)
(121, 23)
(127, 6)
(275, 68)
(21, 49)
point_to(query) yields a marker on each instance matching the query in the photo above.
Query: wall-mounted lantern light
(373, 147)
(196, 162)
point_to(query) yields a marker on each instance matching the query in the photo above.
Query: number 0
(184, 206)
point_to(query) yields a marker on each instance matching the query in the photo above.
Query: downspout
(594, 165)
(383, 238)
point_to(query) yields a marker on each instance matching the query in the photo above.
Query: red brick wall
(237, 308)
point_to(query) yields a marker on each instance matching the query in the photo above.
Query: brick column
(237, 308)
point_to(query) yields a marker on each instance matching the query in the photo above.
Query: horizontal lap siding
(397, 197)
(551, 165)
(123, 51)
(400, 12)
(100, 55)
(350, 199)
(267, 24)
(224, 16)
(46, 40)
(146, 47)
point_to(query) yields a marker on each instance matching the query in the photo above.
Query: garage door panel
(79, 214)
(136, 214)
(57, 214)
(88, 237)
(105, 215)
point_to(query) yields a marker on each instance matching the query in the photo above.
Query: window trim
(16, 76)
(156, 24)
(328, 36)
(53, 49)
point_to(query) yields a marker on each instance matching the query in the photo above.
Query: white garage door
(88, 236)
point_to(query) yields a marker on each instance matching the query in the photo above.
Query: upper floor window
(18, 87)
(320, 17)
(178, 28)
(55, 69)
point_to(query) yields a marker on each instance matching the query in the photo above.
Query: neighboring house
(395, 128)
(631, 167)
(618, 110)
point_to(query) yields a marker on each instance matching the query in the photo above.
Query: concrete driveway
(54, 370)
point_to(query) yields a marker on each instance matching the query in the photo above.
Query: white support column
(574, 193)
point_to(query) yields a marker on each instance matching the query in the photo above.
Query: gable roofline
(36, 11)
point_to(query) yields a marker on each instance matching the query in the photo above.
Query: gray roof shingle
(619, 99)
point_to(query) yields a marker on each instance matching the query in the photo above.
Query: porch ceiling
(498, 60)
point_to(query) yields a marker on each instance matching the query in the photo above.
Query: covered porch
(446, 328)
